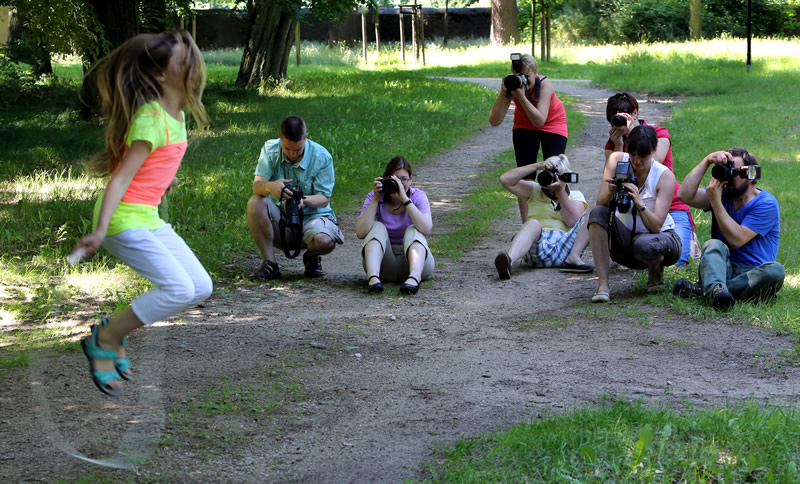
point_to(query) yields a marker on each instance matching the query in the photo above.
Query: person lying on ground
(555, 234)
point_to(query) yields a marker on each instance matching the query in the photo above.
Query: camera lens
(618, 120)
(512, 82)
(389, 186)
(721, 172)
(545, 178)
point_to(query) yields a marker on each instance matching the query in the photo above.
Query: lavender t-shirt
(396, 224)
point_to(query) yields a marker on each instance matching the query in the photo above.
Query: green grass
(629, 442)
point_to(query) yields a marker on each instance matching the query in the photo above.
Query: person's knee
(204, 288)
(598, 218)
(182, 294)
(773, 274)
(322, 244)
(715, 245)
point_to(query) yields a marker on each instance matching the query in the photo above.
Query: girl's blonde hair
(127, 79)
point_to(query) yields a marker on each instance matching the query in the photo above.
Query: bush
(14, 80)
(621, 21)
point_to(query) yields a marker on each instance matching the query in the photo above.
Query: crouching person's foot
(602, 295)
(268, 270)
(313, 265)
(655, 276)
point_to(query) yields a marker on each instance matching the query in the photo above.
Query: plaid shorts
(553, 247)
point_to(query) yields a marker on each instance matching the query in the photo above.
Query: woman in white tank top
(637, 232)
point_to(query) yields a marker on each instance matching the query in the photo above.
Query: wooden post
(421, 33)
(542, 34)
(549, 11)
(445, 22)
(533, 27)
(364, 35)
(194, 27)
(377, 31)
(297, 41)
(414, 47)
(402, 35)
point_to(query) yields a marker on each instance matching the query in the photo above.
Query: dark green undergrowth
(630, 442)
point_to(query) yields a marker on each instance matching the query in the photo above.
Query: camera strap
(537, 87)
(296, 231)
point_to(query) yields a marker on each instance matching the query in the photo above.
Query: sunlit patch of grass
(629, 442)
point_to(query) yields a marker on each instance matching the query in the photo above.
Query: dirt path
(368, 384)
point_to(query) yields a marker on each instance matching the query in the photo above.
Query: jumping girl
(144, 85)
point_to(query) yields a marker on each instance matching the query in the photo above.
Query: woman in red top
(539, 118)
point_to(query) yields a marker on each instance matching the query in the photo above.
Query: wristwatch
(407, 203)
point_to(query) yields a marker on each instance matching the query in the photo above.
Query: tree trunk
(120, 21)
(695, 19)
(505, 26)
(269, 40)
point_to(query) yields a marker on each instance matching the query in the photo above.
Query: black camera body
(514, 81)
(291, 207)
(728, 171)
(623, 174)
(545, 178)
(619, 121)
(389, 187)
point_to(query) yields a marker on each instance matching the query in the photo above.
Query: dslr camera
(545, 178)
(389, 187)
(623, 174)
(728, 172)
(514, 81)
(618, 121)
(291, 207)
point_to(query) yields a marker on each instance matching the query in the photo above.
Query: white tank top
(648, 195)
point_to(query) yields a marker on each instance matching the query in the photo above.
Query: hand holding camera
(625, 187)
(293, 207)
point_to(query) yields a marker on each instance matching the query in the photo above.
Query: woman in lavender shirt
(394, 227)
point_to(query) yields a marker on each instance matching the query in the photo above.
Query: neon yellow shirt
(541, 208)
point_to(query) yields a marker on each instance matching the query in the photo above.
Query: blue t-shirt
(314, 173)
(762, 215)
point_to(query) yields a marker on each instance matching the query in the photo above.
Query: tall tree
(505, 25)
(270, 34)
(695, 19)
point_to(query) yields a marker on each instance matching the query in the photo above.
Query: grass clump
(625, 442)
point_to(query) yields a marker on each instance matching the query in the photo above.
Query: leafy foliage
(621, 21)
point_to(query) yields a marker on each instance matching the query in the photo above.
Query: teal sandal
(121, 364)
(93, 352)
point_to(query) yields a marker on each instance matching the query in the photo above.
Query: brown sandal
(268, 270)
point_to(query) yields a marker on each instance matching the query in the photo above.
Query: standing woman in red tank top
(539, 118)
